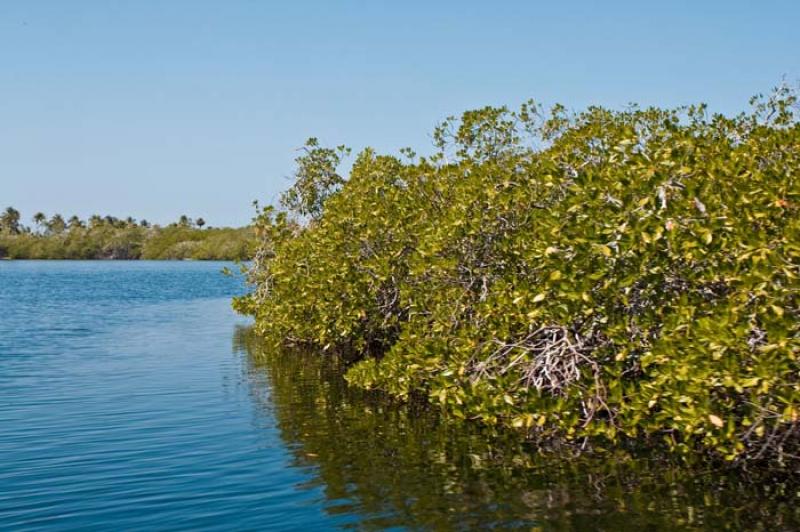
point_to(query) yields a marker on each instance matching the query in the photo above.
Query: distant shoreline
(110, 238)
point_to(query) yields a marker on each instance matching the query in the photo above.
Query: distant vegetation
(107, 237)
(592, 277)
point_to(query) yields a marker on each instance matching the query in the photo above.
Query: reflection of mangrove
(403, 465)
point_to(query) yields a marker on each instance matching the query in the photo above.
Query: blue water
(122, 405)
(133, 398)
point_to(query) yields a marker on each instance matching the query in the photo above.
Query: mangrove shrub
(599, 275)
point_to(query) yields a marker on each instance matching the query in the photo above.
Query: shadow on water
(392, 465)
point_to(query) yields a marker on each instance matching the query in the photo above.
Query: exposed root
(550, 359)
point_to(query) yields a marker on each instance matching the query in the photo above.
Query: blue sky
(158, 108)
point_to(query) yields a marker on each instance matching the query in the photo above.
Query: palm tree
(57, 224)
(39, 219)
(75, 222)
(9, 221)
(200, 222)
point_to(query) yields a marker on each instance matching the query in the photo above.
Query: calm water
(131, 397)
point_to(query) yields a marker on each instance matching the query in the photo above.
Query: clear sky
(159, 108)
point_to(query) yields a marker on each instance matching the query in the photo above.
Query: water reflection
(389, 465)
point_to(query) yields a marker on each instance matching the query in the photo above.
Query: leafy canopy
(604, 274)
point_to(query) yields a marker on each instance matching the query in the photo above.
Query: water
(131, 397)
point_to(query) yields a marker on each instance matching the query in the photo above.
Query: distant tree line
(109, 237)
(11, 222)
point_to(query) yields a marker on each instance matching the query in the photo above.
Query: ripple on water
(122, 406)
(131, 397)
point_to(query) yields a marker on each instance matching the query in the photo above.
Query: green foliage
(316, 179)
(9, 221)
(605, 275)
(179, 242)
(112, 238)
